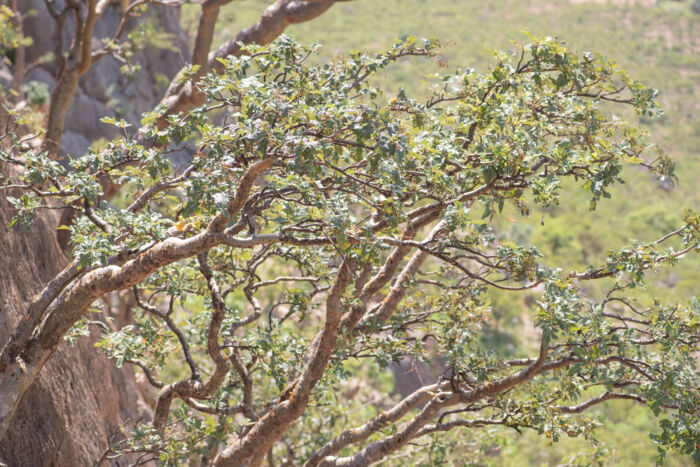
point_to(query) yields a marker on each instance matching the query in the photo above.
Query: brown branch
(274, 21)
(231, 410)
(247, 385)
(173, 327)
(398, 290)
(377, 450)
(363, 432)
(36, 312)
(180, 98)
(242, 193)
(447, 426)
(292, 404)
(158, 187)
(149, 376)
(192, 388)
(63, 92)
(607, 395)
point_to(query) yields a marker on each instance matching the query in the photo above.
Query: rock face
(80, 400)
(104, 90)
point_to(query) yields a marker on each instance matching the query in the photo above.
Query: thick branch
(193, 388)
(35, 313)
(271, 426)
(64, 90)
(275, 19)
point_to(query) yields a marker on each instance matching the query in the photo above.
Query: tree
(66, 417)
(324, 230)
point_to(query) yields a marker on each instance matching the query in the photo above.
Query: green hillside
(658, 44)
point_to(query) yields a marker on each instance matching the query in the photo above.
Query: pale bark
(271, 426)
(181, 98)
(78, 63)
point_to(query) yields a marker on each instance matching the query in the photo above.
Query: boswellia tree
(324, 230)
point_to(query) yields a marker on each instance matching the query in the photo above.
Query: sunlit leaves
(351, 173)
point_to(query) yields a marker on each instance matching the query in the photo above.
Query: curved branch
(193, 388)
(292, 404)
(35, 313)
(275, 19)
(606, 396)
(363, 432)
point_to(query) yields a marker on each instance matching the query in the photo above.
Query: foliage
(657, 42)
(371, 238)
(10, 37)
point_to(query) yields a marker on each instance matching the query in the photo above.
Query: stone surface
(80, 399)
(5, 74)
(74, 143)
(104, 90)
